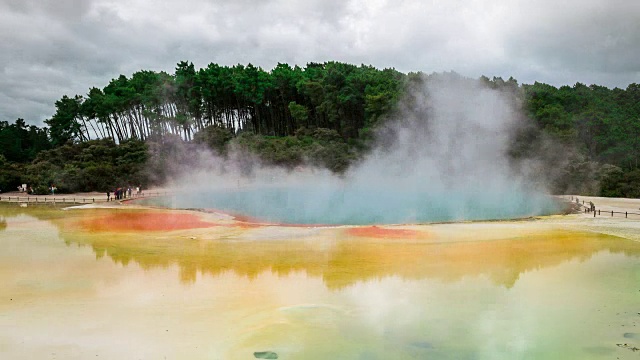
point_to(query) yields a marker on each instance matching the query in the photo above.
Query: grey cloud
(62, 10)
(579, 41)
(52, 48)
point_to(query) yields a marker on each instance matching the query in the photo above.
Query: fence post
(611, 213)
(626, 214)
(594, 213)
(94, 199)
(598, 211)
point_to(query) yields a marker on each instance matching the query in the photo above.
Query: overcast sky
(52, 48)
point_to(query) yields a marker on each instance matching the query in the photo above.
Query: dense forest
(324, 114)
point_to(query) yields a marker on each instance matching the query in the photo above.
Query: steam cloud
(443, 159)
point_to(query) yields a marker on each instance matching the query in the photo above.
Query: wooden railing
(600, 212)
(70, 199)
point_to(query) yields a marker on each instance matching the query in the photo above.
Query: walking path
(75, 198)
(603, 221)
(605, 205)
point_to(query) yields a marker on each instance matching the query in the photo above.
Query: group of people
(27, 189)
(122, 193)
(590, 208)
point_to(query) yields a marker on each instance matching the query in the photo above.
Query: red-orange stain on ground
(144, 221)
(378, 232)
(247, 221)
(246, 225)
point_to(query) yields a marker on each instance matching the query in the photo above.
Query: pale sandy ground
(603, 222)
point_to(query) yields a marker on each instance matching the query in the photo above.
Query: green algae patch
(265, 355)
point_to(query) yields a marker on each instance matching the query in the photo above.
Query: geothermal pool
(359, 206)
(125, 283)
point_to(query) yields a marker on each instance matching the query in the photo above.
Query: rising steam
(442, 158)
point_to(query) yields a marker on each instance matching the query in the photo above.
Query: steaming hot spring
(442, 158)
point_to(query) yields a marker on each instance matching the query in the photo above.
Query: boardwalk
(611, 207)
(80, 198)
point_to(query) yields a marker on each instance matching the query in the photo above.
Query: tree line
(601, 127)
(333, 95)
(323, 112)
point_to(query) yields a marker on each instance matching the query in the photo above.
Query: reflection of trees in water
(343, 262)
(8, 211)
(338, 259)
(40, 211)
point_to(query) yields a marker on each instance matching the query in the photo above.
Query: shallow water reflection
(225, 292)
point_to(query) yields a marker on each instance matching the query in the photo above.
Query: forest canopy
(323, 113)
